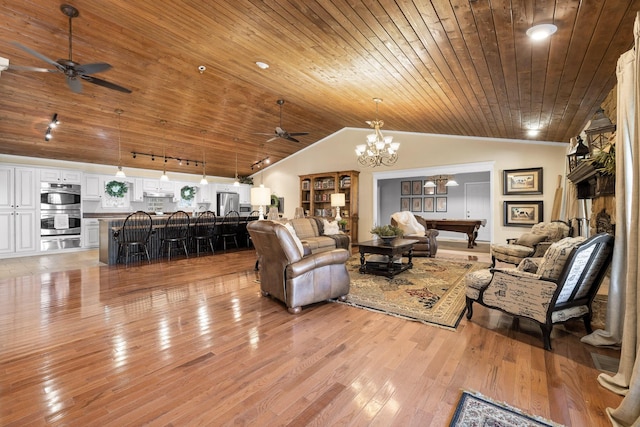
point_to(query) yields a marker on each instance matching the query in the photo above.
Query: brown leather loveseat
(292, 277)
(427, 245)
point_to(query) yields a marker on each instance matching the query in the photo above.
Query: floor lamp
(260, 196)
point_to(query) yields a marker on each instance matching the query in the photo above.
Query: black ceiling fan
(73, 71)
(280, 132)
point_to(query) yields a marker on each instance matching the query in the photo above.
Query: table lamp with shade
(260, 196)
(337, 201)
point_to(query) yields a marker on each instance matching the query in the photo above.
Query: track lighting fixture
(260, 163)
(52, 125)
(181, 161)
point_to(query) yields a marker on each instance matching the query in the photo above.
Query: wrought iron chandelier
(379, 149)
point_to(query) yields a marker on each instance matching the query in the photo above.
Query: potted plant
(387, 232)
(343, 224)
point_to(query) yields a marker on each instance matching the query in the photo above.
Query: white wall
(420, 153)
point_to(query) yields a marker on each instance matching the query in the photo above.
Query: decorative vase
(387, 239)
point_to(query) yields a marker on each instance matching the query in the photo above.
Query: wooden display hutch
(315, 197)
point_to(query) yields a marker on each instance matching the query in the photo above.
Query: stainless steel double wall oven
(60, 216)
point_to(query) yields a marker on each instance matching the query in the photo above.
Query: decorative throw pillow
(330, 227)
(530, 239)
(292, 231)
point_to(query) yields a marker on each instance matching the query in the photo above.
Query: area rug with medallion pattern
(476, 410)
(432, 292)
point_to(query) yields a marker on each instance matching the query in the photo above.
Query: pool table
(468, 226)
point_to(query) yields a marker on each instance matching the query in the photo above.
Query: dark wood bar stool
(204, 230)
(133, 237)
(175, 231)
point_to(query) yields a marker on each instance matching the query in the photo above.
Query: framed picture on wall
(429, 190)
(428, 206)
(441, 188)
(522, 181)
(441, 204)
(523, 213)
(416, 204)
(405, 188)
(416, 187)
(405, 204)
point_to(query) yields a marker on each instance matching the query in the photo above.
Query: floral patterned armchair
(549, 290)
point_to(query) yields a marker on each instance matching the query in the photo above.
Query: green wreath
(274, 200)
(116, 188)
(187, 193)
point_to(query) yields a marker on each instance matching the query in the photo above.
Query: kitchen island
(108, 226)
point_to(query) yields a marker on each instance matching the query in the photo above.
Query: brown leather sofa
(310, 230)
(292, 278)
(427, 245)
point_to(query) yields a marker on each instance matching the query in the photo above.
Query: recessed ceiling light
(533, 132)
(541, 31)
(262, 65)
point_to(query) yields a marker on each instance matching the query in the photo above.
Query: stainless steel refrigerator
(228, 202)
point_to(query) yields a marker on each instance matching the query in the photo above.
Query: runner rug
(475, 409)
(432, 292)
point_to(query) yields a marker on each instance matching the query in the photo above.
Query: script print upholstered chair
(530, 245)
(551, 290)
(288, 275)
(133, 237)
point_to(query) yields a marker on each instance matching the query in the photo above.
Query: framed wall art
(416, 204)
(405, 188)
(405, 204)
(441, 204)
(441, 188)
(427, 205)
(429, 191)
(522, 181)
(416, 187)
(523, 213)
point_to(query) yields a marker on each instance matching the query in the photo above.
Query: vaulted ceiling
(460, 67)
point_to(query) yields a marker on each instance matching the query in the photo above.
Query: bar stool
(229, 228)
(204, 230)
(176, 231)
(133, 237)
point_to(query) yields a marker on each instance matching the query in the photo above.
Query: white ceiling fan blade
(39, 55)
(36, 69)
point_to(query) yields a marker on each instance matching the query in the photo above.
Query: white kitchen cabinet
(245, 194)
(137, 192)
(19, 189)
(20, 230)
(91, 189)
(90, 233)
(206, 193)
(226, 188)
(19, 202)
(156, 185)
(61, 175)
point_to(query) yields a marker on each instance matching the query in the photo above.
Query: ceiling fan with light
(74, 71)
(280, 132)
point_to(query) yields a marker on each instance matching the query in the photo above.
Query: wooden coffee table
(393, 250)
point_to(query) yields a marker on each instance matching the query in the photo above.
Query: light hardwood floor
(192, 342)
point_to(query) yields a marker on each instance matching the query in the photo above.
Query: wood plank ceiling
(462, 67)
